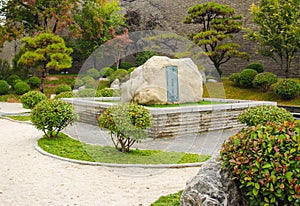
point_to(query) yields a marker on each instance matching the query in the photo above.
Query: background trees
(217, 26)
(43, 52)
(278, 35)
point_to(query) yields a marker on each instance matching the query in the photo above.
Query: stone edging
(144, 166)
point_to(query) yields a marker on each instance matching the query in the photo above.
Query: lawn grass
(67, 147)
(168, 200)
(19, 118)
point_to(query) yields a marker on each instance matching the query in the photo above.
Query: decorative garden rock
(212, 186)
(162, 80)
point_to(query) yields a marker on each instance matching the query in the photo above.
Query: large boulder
(148, 83)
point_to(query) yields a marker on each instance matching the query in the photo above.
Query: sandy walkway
(29, 178)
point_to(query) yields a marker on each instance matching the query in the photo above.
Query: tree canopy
(217, 25)
(278, 33)
(43, 52)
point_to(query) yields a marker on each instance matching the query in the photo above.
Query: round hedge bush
(264, 80)
(235, 78)
(86, 93)
(106, 72)
(4, 87)
(287, 89)
(119, 74)
(65, 95)
(51, 116)
(12, 78)
(265, 163)
(255, 66)
(32, 98)
(62, 88)
(34, 82)
(78, 83)
(125, 65)
(263, 114)
(108, 92)
(93, 73)
(21, 88)
(246, 77)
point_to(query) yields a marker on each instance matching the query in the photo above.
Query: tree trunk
(44, 75)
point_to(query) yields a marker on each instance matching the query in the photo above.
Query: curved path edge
(145, 166)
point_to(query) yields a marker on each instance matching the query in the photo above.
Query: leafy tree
(217, 25)
(278, 33)
(94, 21)
(43, 52)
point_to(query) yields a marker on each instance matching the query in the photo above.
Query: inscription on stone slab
(172, 83)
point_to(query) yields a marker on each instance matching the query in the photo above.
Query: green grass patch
(67, 147)
(168, 200)
(19, 118)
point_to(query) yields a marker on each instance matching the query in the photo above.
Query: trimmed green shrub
(34, 82)
(119, 74)
(131, 70)
(65, 95)
(86, 79)
(143, 56)
(287, 89)
(90, 84)
(11, 79)
(51, 116)
(93, 73)
(246, 77)
(125, 65)
(127, 124)
(265, 163)
(104, 83)
(4, 87)
(235, 78)
(106, 72)
(32, 98)
(263, 114)
(78, 83)
(86, 93)
(108, 92)
(21, 88)
(62, 88)
(255, 66)
(264, 80)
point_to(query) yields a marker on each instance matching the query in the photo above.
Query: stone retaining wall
(175, 121)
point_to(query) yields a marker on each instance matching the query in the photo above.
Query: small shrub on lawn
(21, 88)
(32, 98)
(34, 82)
(93, 73)
(264, 80)
(62, 88)
(51, 116)
(246, 77)
(78, 83)
(107, 92)
(287, 89)
(65, 95)
(255, 66)
(263, 114)
(235, 78)
(4, 87)
(265, 162)
(127, 124)
(12, 78)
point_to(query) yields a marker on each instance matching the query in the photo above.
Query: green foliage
(256, 66)
(168, 200)
(104, 83)
(278, 32)
(34, 82)
(131, 70)
(106, 72)
(127, 124)
(143, 56)
(287, 89)
(32, 98)
(265, 113)
(125, 65)
(89, 82)
(120, 74)
(93, 73)
(235, 77)
(62, 88)
(78, 83)
(4, 87)
(21, 88)
(51, 116)
(107, 92)
(217, 24)
(264, 80)
(265, 162)
(246, 78)
(12, 78)
(86, 93)
(5, 69)
(65, 95)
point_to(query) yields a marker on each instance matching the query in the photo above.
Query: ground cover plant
(65, 146)
(19, 118)
(168, 200)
